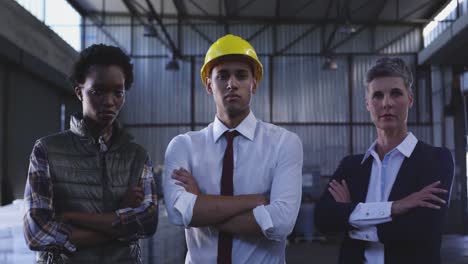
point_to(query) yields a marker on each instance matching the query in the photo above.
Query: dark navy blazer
(414, 237)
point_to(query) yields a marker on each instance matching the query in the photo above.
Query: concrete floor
(454, 251)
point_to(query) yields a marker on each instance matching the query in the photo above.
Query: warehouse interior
(315, 55)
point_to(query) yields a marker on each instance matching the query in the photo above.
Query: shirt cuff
(184, 205)
(263, 218)
(367, 214)
(366, 234)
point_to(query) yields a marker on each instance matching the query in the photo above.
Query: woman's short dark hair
(390, 67)
(101, 54)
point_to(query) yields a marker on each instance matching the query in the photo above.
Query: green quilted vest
(86, 180)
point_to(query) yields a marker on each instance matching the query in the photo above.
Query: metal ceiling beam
(98, 23)
(78, 7)
(244, 6)
(379, 11)
(174, 48)
(277, 10)
(401, 35)
(323, 31)
(227, 8)
(94, 18)
(292, 20)
(229, 12)
(135, 14)
(182, 14)
(416, 9)
(201, 8)
(258, 32)
(437, 7)
(349, 37)
(331, 37)
(103, 10)
(290, 44)
(302, 7)
(274, 40)
(361, 6)
(397, 9)
(199, 32)
(180, 7)
(232, 8)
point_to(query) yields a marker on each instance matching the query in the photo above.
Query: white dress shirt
(377, 208)
(267, 160)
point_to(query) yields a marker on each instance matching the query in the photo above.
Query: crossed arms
(233, 214)
(47, 231)
(417, 216)
(250, 214)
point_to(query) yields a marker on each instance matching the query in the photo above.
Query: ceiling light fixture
(172, 65)
(330, 64)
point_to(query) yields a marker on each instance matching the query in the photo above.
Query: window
(59, 16)
(443, 20)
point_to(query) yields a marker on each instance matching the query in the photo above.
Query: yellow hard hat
(231, 45)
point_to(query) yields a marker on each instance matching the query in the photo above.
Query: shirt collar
(369, 151)
(246, 128)
(406, 147)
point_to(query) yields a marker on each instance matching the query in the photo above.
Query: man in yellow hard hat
(236, 184)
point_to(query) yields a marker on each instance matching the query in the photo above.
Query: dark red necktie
(227, 188)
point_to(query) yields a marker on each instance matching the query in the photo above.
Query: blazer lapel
(405, 180)
(362, 182)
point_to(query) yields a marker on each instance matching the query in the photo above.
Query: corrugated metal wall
(406, 43)
(156, 139)
(158, 96)
(441, 95)
(301, 95)
(304, 92)
(358, 43)
(287, 36)
(448, 131)
(443, 124)
(324, 146)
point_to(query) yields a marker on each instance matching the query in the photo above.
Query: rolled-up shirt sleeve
(277, 219)
(141, 222)
(42, 231)
(179, 203)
